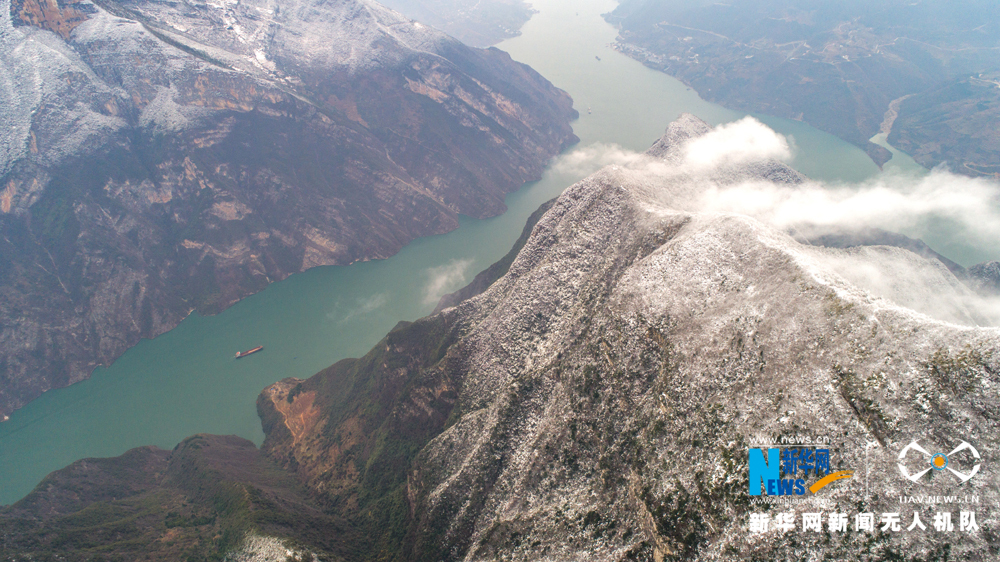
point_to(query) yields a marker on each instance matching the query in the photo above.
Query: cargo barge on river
(250, 352)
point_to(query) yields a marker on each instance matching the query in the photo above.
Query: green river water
(186, 381)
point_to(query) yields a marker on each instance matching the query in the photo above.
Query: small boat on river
(250, 352)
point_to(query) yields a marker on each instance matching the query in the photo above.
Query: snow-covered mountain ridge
(598, 400)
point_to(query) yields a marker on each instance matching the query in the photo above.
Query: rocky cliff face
(158, 158)
(595, 396)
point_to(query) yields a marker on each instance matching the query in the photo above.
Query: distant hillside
(479, 23)
(838, 66)
(956, 123)
(160, 157)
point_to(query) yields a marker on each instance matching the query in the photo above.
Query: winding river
(186, 381)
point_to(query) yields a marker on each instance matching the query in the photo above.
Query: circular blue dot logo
(939, 461)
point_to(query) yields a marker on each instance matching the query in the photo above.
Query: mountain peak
(684, 128)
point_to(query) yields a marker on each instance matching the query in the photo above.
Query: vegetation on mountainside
(197, 502)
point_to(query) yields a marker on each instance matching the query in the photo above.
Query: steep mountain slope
(848, 68)
(597, 401)
(162, 157)
(987, 276)
(594, 397)
(197, 502)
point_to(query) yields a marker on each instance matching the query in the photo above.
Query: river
(186, 381)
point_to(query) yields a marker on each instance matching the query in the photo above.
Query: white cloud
(892, 203)
(899, 203)
(732, 143)
(909, 281)
(363, 307)
(587, 160)
(445, 279)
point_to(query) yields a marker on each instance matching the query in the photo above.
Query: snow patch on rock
(259, 548)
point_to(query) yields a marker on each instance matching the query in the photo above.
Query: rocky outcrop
(159, 158)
